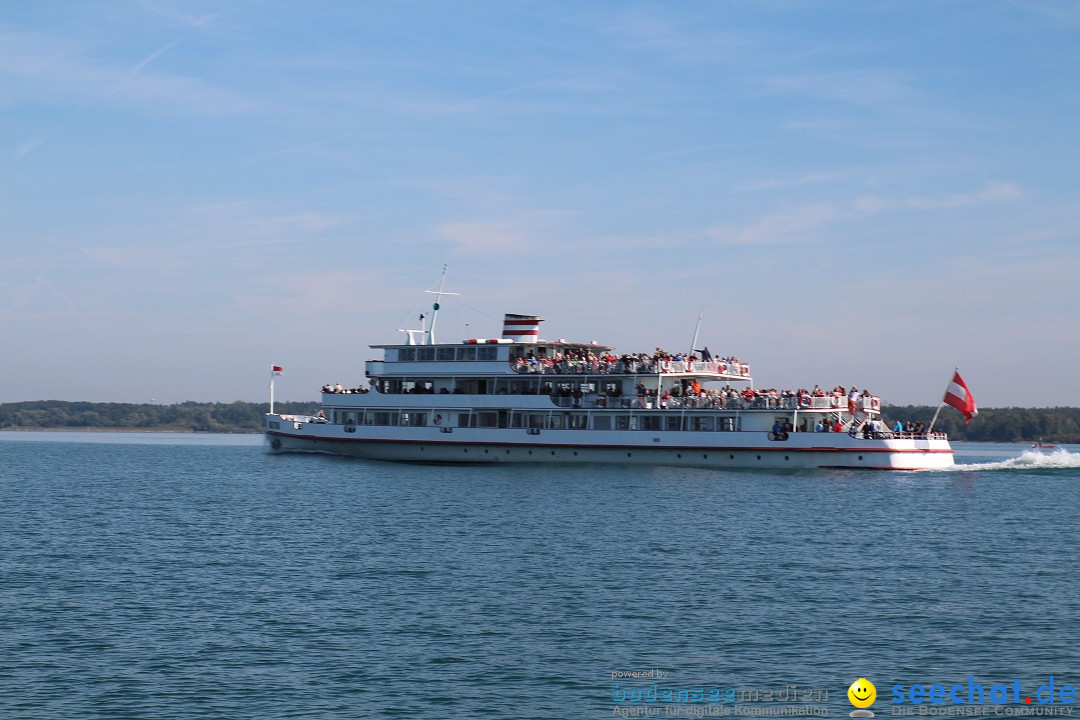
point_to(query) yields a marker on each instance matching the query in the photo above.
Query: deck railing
(712, 402)
(586, 367)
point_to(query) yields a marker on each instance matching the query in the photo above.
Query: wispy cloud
(991, 194)
(487, 237)
(176, 16)
(810, 178)
(646, 29)
(54, 66)
(804, 223)
(854, 87)
(790, 226)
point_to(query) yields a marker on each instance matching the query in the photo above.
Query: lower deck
(688, 448)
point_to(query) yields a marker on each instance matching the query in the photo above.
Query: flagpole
(942, 403)
(271, 389)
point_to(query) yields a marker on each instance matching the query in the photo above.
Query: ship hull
(698, 450)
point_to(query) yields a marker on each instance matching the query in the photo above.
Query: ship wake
(1028, 460)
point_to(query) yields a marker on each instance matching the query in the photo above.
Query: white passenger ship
(520, 399)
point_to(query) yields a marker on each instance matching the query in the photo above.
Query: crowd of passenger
(580, 362)
(338, 390)
(689, 393)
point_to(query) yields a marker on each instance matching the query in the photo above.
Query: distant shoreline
(130, 430)
(1055, 426)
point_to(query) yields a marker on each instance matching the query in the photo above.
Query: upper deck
(485, 358)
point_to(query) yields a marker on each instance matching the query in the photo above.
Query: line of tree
(1059, 425)
(236, 417)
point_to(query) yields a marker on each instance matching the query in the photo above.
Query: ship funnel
(521, 328)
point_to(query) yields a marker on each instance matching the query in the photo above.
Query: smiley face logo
(862, 693)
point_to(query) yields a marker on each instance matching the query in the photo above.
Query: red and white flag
(958, 395)
(276, 369)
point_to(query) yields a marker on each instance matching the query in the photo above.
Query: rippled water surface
(195, 576)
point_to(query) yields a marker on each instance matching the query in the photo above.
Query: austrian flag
(276, 369)
(958, 395)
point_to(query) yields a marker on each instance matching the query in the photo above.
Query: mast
(697, 328)
(430, 331)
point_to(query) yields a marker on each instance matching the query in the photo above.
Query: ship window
(517, 420)
(487, 419)
(444, 354)
(650, 422)
(466, 353)
(385, 418)
(463, 419)
(557, 422)
(673, 422)
(725, 424)
(578, 421)
(536, 420)
(425, 354)
(701, 423)
(486, 353)
(414, 419)
(365, 418)
(523, 387)
(406, 354)
(622, 422)
(601, 422)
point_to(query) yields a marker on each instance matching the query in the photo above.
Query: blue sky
(867, 193)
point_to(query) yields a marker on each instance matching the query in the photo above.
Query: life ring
(875, 403)
(836, 401)
(438, 419)
(804, 401)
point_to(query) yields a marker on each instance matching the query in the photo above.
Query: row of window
(538, 420)
(447, 354)
(498, 386)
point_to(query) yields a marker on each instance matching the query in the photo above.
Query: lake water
(196, 576)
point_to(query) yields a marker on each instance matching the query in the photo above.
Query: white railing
(649, 367)
(712, 402)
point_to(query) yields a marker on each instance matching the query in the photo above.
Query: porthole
(758, 457)
(786, 457)
(731, 456)
(860, 457)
